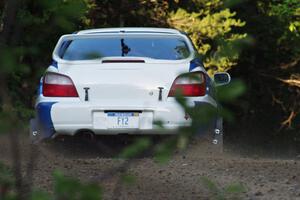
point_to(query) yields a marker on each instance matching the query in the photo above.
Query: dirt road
(180, 178)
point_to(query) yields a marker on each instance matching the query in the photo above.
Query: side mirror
(221, 78)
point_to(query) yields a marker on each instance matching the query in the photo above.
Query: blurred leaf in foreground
(136, 148)
(128, 179)
(228, 93)
(232, 191)
(39, 195)
(164, 151)
(71, 188)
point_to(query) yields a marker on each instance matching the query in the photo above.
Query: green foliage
(274, 56)
(60, 15)
(40, 195)
(27, 52)
(232, 3)
(4, 122)
(6, 182)
(229, 93)
(136, 148)
(6, 176)
(70, 188)
(64, 188)
(164, 151)
(116, 13)
(128, 179)
(288, 13)
(208, 26)
(232, 191)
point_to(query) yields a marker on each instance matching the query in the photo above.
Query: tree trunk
(10, 12)
(9, 19)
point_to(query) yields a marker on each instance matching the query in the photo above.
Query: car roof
(130, 30)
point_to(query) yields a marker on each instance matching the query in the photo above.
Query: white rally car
(122, 81)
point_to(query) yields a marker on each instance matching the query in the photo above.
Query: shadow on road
(99, 146)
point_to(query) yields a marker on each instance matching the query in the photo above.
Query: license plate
(120, 120)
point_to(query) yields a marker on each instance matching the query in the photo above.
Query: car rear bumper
(69, 118)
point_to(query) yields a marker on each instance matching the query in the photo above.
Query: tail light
(189, 85)
(58, 85)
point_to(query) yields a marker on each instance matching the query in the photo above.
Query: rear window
(155, 47)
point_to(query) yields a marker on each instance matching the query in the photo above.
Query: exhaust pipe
(86, 134)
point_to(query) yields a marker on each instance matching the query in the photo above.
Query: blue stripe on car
(195, 63)
(209, 86)
(44, 119)
(63, 47)
(54, 63)
(40, 88)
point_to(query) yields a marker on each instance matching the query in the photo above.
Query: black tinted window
(167, 48)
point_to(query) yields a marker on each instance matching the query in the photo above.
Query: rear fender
(44, 120)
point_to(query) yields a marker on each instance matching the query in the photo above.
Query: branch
(291, 64)
(293, 81)
(288, 122)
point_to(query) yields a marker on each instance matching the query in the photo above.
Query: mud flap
(213, 134)
(218, 135)
(34, 133)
